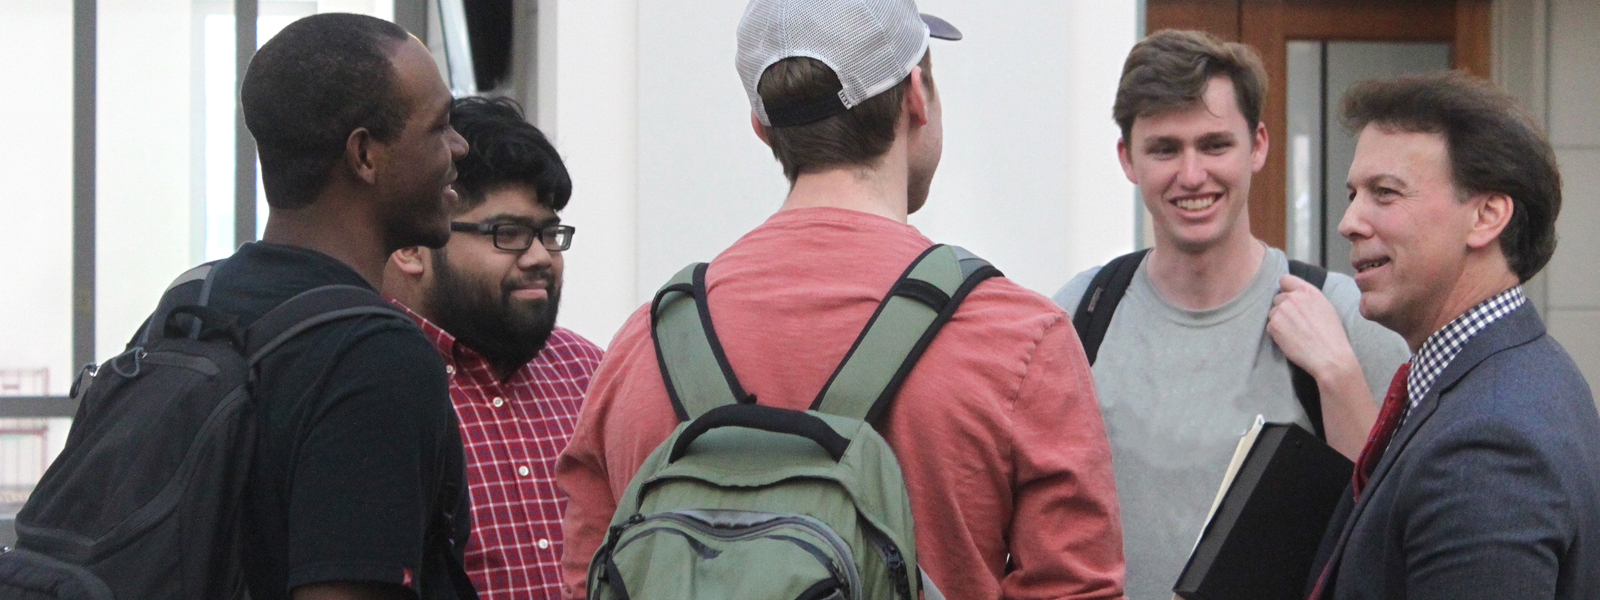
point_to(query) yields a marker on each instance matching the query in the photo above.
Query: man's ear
(761, 130)
(916, 98)
(1126, 158)
(411, 261)
(1258, 148)
(358, 155)
(1491, 217)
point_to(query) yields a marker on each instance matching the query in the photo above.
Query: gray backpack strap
(191, 287)
(907, 319)
(687, 349)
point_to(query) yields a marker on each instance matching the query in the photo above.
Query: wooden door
(1268, 26)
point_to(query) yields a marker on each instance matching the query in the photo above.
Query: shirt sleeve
(1066, 540)
(367, 473)
(1070, 294)
(581, 470)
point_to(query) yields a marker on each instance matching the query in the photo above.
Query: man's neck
(1209, 277)
(331, 228)
(879, 189)
(1484, 279)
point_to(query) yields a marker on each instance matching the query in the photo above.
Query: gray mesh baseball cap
(870, 44)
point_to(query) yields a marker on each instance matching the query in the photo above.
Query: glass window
(36, 208)
(166, 99)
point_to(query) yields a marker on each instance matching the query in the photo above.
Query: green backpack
(752, 501)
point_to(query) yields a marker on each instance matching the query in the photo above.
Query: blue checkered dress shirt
(1443, 346)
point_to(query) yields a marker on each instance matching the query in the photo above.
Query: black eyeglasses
(517, 237)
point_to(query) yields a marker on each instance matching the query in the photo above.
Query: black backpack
(1105, 292)
(144, 501)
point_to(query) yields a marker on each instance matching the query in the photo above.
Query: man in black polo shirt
(359, 463)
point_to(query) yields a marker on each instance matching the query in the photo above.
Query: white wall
(1574, 124)
(644, 104)
(1544, 56)
(587, 102)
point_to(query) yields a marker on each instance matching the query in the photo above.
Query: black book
(1269, 518)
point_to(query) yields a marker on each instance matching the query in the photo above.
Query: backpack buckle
(85, 377)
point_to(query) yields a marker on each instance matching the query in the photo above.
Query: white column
(588, 104)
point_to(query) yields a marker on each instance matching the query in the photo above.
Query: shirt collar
(1442, 347)
(441, 339)
(458, 357)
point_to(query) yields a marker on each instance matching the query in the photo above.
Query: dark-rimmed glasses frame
(516, 237)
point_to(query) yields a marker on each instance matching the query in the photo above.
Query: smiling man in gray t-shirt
(1202, 340)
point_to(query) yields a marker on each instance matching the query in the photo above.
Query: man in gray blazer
(1481, 478)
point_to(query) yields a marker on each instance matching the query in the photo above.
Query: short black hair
(308, 87)
(1494, 146)
(502, 148)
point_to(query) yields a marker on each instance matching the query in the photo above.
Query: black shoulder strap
(310, 309)
(1305, 386)
(1313, 274)
(908, 318)
(1100, 300)
(687, 348)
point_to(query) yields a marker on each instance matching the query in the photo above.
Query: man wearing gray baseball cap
(996, 428)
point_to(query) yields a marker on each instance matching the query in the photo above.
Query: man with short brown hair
(1481, 478)
(1212, 321)
(995, 429)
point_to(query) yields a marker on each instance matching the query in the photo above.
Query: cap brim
(941, 28)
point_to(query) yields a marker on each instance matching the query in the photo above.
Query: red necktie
(1382, 431)
(1377, 441)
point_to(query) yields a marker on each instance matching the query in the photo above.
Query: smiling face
(1193, 169)
(1409, 233)
(500, 303)
(419, 163)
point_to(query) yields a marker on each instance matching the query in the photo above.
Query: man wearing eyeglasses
(487, 300)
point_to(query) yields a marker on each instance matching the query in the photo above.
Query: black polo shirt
(359, 452)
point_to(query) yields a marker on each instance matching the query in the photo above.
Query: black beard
(488, 324)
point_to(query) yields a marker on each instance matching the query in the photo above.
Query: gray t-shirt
(1178, 387)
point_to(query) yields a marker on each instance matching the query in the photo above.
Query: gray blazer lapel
(1519, 327)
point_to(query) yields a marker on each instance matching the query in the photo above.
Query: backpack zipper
(846, 572)
(893, 560)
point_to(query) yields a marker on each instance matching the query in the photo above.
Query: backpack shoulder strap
(687, 349)
(191, 287)
(1313, 274)
(1305, 386)
(1100, 300)
(310, 309)
(909, 316)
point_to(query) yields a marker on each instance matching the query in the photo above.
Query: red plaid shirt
(513, 430)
